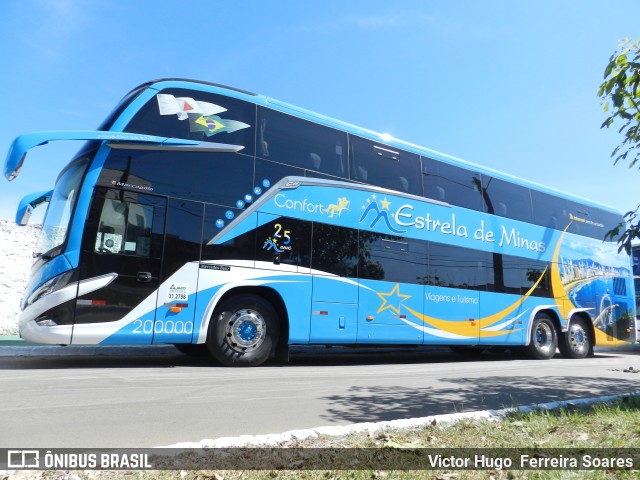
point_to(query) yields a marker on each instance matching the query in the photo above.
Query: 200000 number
(159, 326)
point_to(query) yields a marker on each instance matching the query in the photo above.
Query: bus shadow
(165, 356)
(81, 357)
(376, 404)
(343, 356)
(43, 358)
(337, 356)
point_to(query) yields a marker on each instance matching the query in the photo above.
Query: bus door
(123, 235)
(282, 262)
(176, 303)
(334, 300)
(455, 278)
(391, 270)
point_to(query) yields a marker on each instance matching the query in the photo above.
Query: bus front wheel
(576, 341)
(243, 331)
(544, 338)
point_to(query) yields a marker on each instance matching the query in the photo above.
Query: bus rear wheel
(544, 338)
(243, 331)
(576, 341)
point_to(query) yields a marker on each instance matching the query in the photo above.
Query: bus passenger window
(403, 184)
(506, 199)
(456, 267)
(549, 211)
(361, 173)
(293, 141)
(315, 161)
(384, 166)
(263, 144)
(290, 238)
(535, 272)
(334, 250)
(451, 184)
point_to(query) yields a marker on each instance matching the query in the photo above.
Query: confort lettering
(305, 205)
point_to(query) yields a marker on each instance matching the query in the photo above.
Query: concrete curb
(275, 440)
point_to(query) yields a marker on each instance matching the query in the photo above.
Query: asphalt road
(54, 397)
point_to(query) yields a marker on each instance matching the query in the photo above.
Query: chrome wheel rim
(543, 337)
(246, 330)
(578, 338)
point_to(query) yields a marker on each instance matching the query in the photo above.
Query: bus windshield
(63, 198)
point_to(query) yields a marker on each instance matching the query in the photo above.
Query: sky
(511, 85)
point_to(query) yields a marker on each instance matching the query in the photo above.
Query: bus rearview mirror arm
(22, 144)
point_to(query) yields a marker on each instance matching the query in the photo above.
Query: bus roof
(309, 115)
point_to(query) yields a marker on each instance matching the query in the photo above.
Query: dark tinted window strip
(325, 151)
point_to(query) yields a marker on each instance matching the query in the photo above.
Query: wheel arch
(583, 315)
(551, 312)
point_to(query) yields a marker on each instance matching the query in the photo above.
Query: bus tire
(544, 338)
(576, 341)
(243, 331)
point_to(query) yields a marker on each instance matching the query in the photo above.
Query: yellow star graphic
(385, 203)
(393, 294)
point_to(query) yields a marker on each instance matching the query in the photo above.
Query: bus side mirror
(29, 203)
(22, 144)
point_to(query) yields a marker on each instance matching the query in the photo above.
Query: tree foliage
(620, 93)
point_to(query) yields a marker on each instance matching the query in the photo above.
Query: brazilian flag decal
(213, 124)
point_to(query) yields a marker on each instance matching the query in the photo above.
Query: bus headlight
(50, 286)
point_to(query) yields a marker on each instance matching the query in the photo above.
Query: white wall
(16, 256)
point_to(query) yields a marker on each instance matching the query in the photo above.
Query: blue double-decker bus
(221, 220)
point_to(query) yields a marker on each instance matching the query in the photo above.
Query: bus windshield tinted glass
(58, 216)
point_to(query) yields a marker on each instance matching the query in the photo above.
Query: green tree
(620, 93)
